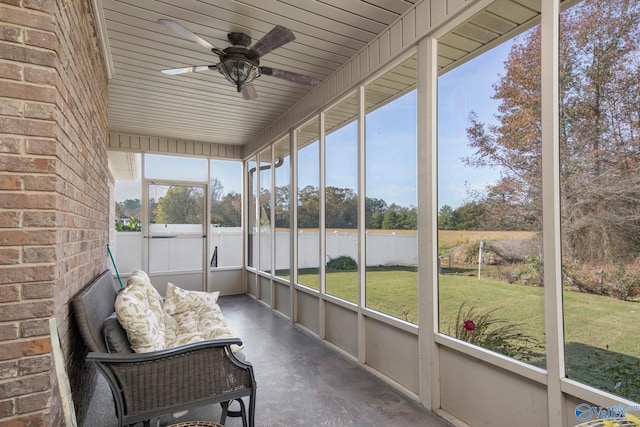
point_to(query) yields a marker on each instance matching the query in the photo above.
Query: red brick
(26, 310)
(27, 126)
(42, 5)
(9, 256)
(6, 408)
(34, 328)
(34, 365)
(40, 111)
(37, 346)
(9, 331)
(28, 19)
(32, 402)
(8, 369)
(39, 254)
(32, 92)
(9, 219)
(10, 350)
(24, 274)
(56, 78)
(9, 293)
(41, 146)
(27, 201)
(10, 182)
(10, 33)
(30, 420)
(25, 385)
(27, 164)
(45, 76)
(40, 183)
(41, 39)
(38, 290)
(10, 145)
(10, 71)
(30, 55)
(42, 219)
(11, 107)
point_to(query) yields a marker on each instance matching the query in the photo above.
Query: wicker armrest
(154, 355)
(155, 383)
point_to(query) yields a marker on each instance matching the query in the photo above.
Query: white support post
(427, 109)
(322, 249)
(293, 226)
(551, 211)
(362, 226)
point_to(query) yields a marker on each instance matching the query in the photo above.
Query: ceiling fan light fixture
(239, 71)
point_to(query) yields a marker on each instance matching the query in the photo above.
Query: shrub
(620, 281)
(491, 255)
(132, 225)
(495, 334)
(344, 262)
(532, 272)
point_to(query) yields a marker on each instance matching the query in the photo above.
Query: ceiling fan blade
(189, 35)
(275, 38)
(289, 76)
(249, 92)
(191, 69)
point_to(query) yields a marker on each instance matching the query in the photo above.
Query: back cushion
(139, 311)
(115, 338)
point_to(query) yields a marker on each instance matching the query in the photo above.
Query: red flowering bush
(495, 334)
(469, 325)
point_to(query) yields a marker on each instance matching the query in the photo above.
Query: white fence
(383, 247)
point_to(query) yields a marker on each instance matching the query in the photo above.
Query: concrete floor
(301, 382)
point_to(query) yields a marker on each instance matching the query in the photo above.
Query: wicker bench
(148, 385)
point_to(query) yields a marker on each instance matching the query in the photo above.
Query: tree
(308, 207)
(180, 205)
(400, 218)
(226, 209)
(445, 218)
(227, 212)
(282, 207)
(599, 133)
(468, 216)
(374, 212)
(341, 208)
(129, 208)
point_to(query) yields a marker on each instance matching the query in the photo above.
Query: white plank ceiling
(205, 107)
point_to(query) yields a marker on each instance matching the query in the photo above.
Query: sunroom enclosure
(462, 184)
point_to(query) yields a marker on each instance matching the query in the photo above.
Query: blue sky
(460, 91)
(391, 154)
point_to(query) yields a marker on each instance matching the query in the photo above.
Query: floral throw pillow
(179, 300)
(197, 316)
(139, 311)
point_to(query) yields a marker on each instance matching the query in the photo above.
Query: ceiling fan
(239, 63)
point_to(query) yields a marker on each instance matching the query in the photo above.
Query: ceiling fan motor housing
(239, 39)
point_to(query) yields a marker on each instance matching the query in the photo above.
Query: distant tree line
(183, 205)
(487, 213)
(341, 210)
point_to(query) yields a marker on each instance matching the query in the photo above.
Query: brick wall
(54, 197)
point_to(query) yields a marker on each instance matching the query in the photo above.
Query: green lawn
(602, 334)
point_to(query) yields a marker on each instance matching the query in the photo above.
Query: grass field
(450, 238)
(601, 333)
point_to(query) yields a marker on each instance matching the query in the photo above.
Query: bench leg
(226, 412)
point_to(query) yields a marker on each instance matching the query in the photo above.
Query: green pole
(114, 266)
